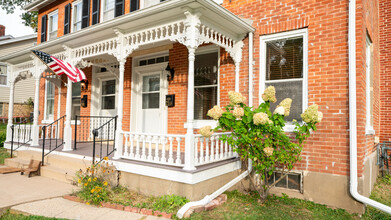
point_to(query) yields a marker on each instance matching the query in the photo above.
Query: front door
(152, 103)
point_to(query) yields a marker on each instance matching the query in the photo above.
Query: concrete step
(16, 162)
(29, 155)
(63, 175)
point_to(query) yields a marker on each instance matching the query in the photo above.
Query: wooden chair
(33, 167)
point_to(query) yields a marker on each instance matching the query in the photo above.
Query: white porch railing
(154, 148)
(209, 150)
(22, 133)
(169, 149)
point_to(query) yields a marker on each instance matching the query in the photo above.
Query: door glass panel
(151, 92)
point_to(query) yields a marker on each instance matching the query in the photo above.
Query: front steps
(58, 167)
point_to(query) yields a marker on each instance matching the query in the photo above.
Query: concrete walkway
(17, 189)
(62, 208)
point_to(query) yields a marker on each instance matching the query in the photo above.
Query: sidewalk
(16, 189)
(62, 208)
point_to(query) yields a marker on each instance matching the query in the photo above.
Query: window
(108, 9)
(284, 58)
(49, 105)
(151, 91)
(76, 95)
(205, 84)
(369, 84)
(1, 109)
(108, 94)
(53, 25)
(3, 75)
(154, 60)
(77, 14)
(291, 181)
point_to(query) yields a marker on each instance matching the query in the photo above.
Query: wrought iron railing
(21, 134)
(84, 125)
(104, 138)
(52, 137)
(383, 156)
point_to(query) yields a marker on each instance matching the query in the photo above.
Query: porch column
(10, 110)
(118, 136)
(189, 147)
(35, 129)
(68, 127)
(237, 74)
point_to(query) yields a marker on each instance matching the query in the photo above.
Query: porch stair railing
(21, 134)
(52, 137)
(104, 139)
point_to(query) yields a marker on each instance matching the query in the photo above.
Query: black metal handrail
(25, 133)
(382, 155)
(84, 125)
(58, 127)
(100, 139)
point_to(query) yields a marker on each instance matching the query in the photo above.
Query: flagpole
(57, 76)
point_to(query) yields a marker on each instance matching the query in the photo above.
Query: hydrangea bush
(258, 134)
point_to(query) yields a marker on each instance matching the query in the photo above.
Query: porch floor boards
(85, 149)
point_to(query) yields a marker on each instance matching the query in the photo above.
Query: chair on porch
(33, 167)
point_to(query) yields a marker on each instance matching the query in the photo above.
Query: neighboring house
(23, 90)
(300, 47)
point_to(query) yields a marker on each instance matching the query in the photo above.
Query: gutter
(353, 115)
(207, 199)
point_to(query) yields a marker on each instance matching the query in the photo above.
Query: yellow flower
(92, 190)
(105, 158)
(94, 179)
(85, 184)
(87, 203)
(105, 183)
(79, 181)
(98, 196)
(89, 179)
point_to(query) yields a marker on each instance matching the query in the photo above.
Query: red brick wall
(327, 22)
(385, 68)
(2, 30)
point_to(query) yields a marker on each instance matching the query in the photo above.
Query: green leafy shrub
(169, 203)
(258, 134)
(3, 135)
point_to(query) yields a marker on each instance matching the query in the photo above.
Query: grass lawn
(9, 216)
(241, 206)
(3, 152)
(381, 193)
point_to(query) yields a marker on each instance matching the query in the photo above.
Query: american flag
(60, 67)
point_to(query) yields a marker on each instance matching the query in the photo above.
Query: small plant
(94, 183)
(3, 135)
(169, 203)
(258, 134)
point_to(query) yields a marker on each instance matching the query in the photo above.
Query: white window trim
(7, 75)
(71, 23)
(49, 18)
(262, 60)
(115, 93)
(369, 130)
(47, 120)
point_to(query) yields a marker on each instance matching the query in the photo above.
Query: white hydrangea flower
(238, 112)
(236, 98)
(261, 119)
(206, 131)
(216, 112)
(268, 151)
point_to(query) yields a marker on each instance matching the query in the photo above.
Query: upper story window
(53, 25)
(77, 15)
(3, 75)
(284, 60)
(205, 83)
(108, 9)
(369, 87)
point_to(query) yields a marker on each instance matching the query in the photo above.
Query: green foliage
(259, 135)
(169, 203)
(93, 183)
(3, 155)
(3, 135)
(381, 193)
(9, 216)
(30, 19)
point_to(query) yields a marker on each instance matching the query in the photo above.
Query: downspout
(353, 115)
(207, 199)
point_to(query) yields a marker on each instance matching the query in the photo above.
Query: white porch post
(189, 147)
(10, 110)
(68, 126)
(35, 129)
(119, 139)
(237, 74)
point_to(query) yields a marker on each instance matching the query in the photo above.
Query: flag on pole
(60, 67)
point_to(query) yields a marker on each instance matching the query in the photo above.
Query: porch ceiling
(213, 15)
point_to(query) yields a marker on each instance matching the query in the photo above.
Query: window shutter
(85, 18)
(119, 7)
(134, 6)
(95, 11)
(44, 28)
(67, 19)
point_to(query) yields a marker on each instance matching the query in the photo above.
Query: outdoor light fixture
(170, 76)
(84, 85)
